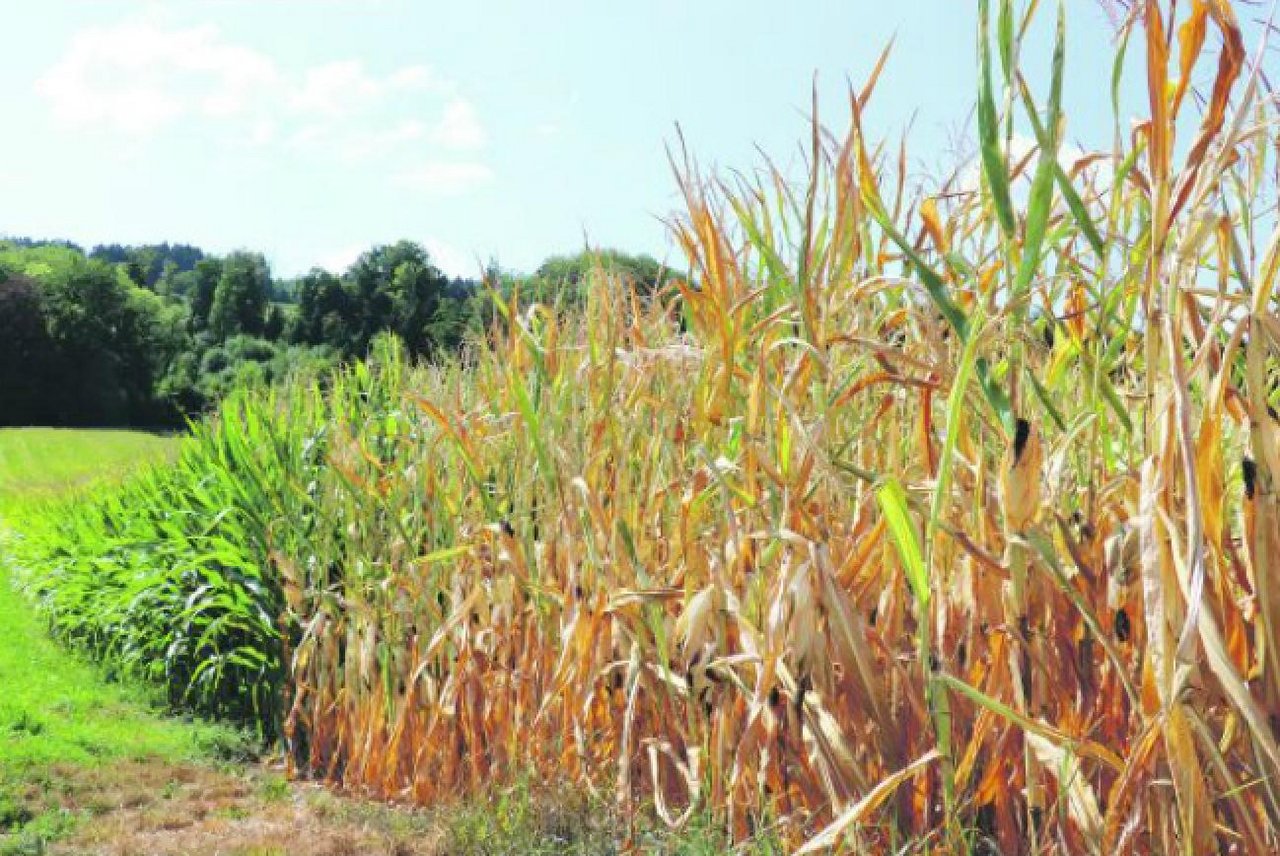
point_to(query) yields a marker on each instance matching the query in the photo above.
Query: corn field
(916, 520)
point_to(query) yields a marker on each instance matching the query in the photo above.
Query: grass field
(46, 462)
(60, 721)
(58, 714)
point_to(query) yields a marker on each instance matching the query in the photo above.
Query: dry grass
(164, 809)
(157, 809)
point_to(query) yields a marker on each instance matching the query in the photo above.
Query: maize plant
(936, 518)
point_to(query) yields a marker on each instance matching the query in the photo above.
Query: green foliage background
(152, 335)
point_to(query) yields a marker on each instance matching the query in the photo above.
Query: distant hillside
(151, 334)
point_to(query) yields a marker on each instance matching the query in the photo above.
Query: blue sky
(311, 129)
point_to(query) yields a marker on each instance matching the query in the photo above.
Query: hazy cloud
(140, 76)
(136, 77)
(340, 89)
(969, 175)
(335, 89)
(363, 145)
(459, 127)
(444, 255)
(450, 259)
(342, 258)
(446, 178)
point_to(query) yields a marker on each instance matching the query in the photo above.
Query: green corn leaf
(995, 395)
(534, 423)
(1004, 35)
(893, 504)
(929, 278)
(1046, 400)
(955, 407)
(1074, 203)
(1117, 73)
(993, 163)
(445, 554)
(1040, 203)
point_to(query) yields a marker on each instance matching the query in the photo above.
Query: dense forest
(151, 335)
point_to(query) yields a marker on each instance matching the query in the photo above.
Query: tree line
(151, 335)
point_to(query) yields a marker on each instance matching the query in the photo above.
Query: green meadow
(44, 463)
(58, 712)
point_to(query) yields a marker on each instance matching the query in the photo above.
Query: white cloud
(364, 145)
(141, 76)
(450, 259)
(446, 178)
(444, 255)
(339, 89)
(968, 177)
(342, 258)
(262, 133)
(136, 77)
(335, 89)
(459, 127)
(418, 77)
(309, 137)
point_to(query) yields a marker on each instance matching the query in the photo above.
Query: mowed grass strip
(43, 463)
(59, 716)
(71, 741)
(56, 708)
